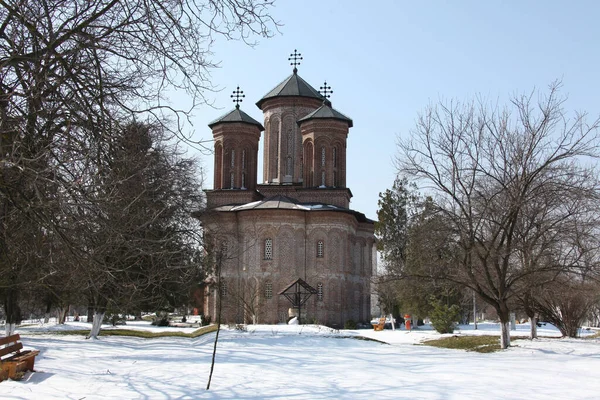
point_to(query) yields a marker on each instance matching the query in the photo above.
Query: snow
(303, 362)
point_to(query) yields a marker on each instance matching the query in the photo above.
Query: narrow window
(243, 180)
(322, 178)
(223, 288)
(320, 248)
(269, 290)
(320, 291)
(244, 160)
(335, 157)
(232, 158)
(268, 249)
(232, 180)
(322, 156)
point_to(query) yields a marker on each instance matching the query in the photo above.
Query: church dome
(326, 112)
(236, 115)
(292, 86)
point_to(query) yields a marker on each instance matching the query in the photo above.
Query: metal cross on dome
(325, 90)
(295, 58)
(238, 96)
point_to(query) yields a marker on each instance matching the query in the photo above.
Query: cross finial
(295, 58)
(326, 90)
(237, 97)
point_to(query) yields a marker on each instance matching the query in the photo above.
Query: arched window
(335, 163)
(268, 290)
(268, 249)
(232, 158)
(319, 291)
(334, 152)
(322, 156)
(320, 249)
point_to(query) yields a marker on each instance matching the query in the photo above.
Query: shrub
(350, 324)
(443, 317)
(162, 319)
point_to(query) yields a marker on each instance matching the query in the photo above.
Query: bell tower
(236, 136)
(289, 101)
(324, 136)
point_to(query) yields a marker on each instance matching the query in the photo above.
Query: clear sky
(387, 60)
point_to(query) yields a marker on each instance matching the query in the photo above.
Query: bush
(443, 317)
(162, 319)
(350, 324)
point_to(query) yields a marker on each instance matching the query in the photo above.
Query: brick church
(294, 233)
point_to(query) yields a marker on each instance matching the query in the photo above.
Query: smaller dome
(326, 112)
(236, 115)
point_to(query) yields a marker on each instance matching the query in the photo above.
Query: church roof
(292, 86)
(287, 203)
(326, 112)
(236, 115)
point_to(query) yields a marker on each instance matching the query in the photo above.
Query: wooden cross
(295, 58)
(326, 90)
(237, 97)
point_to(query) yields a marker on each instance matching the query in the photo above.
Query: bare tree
(142, 243)
(486, 166)
(70, 72)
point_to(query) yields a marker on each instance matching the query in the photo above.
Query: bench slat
(11, 349)
(9, 339)
(24, 355)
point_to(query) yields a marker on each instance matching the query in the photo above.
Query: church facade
(294, 227)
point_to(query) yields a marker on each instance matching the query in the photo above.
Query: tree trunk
(62, 315)
(11, 308)
(533, 329)
(96, 325)
(47, 314)
(90, 309)
(504, 315)
(10, 328)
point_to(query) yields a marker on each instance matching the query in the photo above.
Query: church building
(291, 242)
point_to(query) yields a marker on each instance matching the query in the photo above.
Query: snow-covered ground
(304, 362)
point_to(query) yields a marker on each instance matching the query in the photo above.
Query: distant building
(295, 225)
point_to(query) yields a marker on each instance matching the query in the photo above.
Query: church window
(335, 157)
(269, 290)
(320, 291)
(223, 285)
(244, 160)
(320, 249)
(243, 180)
(268, 249)
(322, 178)
(232, 158)
(322, 156)
(232, 179)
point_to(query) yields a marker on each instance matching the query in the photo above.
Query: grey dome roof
(292, 86)
(326, 112)
(236, 115)
(280, 202)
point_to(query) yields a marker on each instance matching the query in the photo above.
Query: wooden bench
(17, 361)
(380, 325)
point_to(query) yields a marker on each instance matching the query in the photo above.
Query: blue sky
(387, 60)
